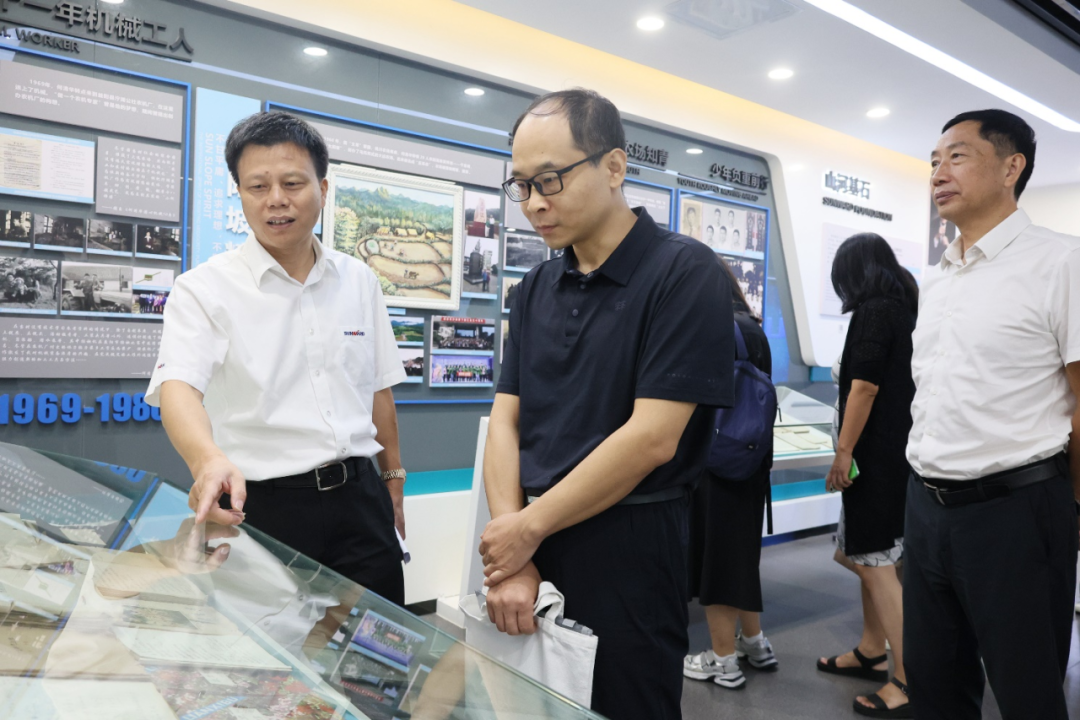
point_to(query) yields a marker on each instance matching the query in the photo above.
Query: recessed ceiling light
(781, 74)
(315, 51)
(474, 91)
(881, 29)
(694, 151)
(878, 112)
(112, 2)
(650, 23)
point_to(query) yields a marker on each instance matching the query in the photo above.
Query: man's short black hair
(595, 123)
(1009, 134)
(275, 128)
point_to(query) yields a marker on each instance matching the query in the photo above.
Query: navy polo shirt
(654, 321)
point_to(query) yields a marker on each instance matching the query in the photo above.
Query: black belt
(325, 477)
(965, 492)
(673, 493)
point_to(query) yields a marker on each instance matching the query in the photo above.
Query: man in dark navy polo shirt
(616, 353)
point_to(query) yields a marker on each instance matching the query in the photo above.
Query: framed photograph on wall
(111, 238)
(28, 285)
(94, 289)
(462, 336)
(462, 371)
(523, 252)
(509, 292)
(408, 230)
(157, 242)
(408, 330)
(16, 228)
(412, 359)
(55, 232)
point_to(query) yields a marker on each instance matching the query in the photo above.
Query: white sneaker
(724, 671)
(759, 654)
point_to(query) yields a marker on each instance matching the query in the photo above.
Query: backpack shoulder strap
(740, 344)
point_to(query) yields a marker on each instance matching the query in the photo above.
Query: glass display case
(802, 433)
(115, 604)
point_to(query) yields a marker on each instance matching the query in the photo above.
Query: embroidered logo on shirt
(354, 333)
(621, 305)
(161, 366)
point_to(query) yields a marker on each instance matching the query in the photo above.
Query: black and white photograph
(412, 359)
(733, 229)
(509, 292)
(524, 252)
(150, 303)
(96, 289)
(462, 371)
(750, 274)
(111, 238)
(462, 336)
(483, 214)
(54, 232)
(156, 241)
(480, 270)
(28, 285)
(16, 228)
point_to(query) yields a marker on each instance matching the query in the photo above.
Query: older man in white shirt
(275, 370)
(991, 537)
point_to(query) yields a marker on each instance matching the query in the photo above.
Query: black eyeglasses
(546, 183)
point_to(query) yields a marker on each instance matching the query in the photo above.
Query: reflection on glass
(115, 604)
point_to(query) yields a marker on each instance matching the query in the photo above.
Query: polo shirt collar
(621, 264)
(260, 261)
(992, 243)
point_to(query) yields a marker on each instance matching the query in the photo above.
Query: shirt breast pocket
(356, 355)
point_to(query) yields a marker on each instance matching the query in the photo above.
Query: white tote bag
(559, 655)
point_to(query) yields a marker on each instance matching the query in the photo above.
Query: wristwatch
(388, 475)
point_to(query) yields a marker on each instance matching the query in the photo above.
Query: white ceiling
(841, 71)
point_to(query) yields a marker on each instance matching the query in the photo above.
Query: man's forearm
(384, 415)
(611, 471)
(187, 424)
(502, 459)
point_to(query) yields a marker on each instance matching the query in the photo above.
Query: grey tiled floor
(811, 609)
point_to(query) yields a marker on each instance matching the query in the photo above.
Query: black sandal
(866, 670)
(880, 709)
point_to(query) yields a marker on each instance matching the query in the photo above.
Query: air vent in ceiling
(724, 18)
(1061, 15)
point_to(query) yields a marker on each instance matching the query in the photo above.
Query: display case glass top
(115, 604)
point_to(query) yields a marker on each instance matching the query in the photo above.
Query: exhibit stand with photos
(113, 182)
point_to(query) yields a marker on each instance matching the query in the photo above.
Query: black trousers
(349, 529)
(623, 573)
(993, 580)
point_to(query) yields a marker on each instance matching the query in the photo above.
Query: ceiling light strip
(881, 29)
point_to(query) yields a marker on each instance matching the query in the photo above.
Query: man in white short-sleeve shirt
(990, 544)
(275, 369)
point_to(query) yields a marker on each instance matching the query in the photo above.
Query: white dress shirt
(995, 331)
(288, 369)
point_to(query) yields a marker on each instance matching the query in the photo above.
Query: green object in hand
(854, 472)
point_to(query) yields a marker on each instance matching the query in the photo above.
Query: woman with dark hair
(725, 546)
(876, 391)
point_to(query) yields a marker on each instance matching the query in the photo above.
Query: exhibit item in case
(16, 228)
(96, 289)
(408, 230)
(28, 285)
(509, 292)
(462, 336)
(157, 241)
(408, 330)
(56, 232)
(523, 252)
(412, 359)
(108, 237)
(115, 603)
